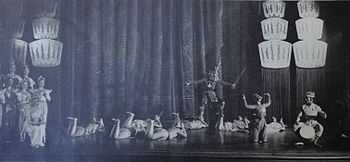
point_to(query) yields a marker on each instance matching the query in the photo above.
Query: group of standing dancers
(23, 109)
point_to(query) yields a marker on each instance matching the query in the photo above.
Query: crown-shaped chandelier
(274, 8)
(12, 25)
(13, 28)
(309, 52)
(307, 8)
(46, 52)
(45, 28)
(274, 52)
(16, 49)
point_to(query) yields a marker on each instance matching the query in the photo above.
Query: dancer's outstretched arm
(246, 103)
(268, 101)
(195, 82)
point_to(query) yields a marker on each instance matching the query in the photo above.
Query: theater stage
(198, 146)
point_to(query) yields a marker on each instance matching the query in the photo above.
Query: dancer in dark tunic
(210, 98)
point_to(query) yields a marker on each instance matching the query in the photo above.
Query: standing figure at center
(23, 98)
(27, 78)
(258, 117)
(210, 97)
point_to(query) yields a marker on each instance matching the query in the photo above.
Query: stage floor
(198, 145)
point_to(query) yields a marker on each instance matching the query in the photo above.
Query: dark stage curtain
(277, 83)
(311, 80)
(136, 55)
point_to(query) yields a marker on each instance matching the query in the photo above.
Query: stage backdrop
(136, 55)
(133, 55)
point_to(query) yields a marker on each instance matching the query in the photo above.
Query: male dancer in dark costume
(211, 99)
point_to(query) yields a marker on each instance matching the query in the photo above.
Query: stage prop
(274, 52)
(45, 52)
(309, 52)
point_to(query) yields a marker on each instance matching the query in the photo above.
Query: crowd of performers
(153, 129)
(24, 107)
(307, 127)
(24, 113)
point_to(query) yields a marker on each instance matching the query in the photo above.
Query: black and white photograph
(174, 80)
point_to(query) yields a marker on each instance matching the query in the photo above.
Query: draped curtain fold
(134, 55)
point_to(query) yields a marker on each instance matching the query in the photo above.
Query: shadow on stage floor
(198, 146)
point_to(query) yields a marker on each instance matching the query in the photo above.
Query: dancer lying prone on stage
(275, 126)
(155, 130)
(74, 130)
(122, 131)
(196, 123)
(238, 125)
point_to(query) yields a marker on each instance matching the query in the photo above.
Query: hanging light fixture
(274, 52)
(309, 28)
(14, 28)
(46, 52)
(16, 49)
(45, 28)
(45, 8)
(274, 28)
(309, 52)
(307, 8)
(274, 8)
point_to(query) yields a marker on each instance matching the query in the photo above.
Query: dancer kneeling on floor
(307, 118)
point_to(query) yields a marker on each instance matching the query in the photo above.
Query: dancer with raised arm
(259, 123)
(306, 124)
(122, 131)
(155, 130)
(210, 98)
(177, 129)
